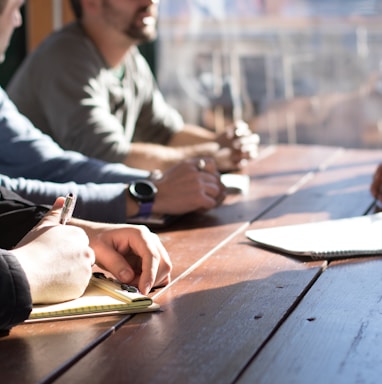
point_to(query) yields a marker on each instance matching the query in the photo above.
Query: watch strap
(145, 208)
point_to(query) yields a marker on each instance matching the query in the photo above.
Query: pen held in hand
(67, 209)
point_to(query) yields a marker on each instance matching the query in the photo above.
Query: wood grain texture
(219, 316)
(335, 334)
(227, 298)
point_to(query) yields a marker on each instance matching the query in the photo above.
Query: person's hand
(132, 253)
(237, 145)
(376, 184)
(189, 186)
(56, 259)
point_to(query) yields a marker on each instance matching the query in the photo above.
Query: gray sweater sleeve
(15, 298)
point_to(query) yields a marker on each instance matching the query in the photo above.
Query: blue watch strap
(145, 208)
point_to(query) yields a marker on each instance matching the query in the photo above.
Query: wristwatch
(143, 192)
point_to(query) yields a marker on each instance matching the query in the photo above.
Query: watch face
(143, 190)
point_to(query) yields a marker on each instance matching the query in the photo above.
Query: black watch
(144, 192)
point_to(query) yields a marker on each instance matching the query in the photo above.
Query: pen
(67, 209)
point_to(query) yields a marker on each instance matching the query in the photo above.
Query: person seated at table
(50, 262)
(89, 88)
(33, 165)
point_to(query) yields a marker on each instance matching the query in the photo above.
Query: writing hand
(56, 259)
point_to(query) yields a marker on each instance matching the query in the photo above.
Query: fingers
(237, 145)
(189, 186)
(215, 190)
(53, 216)
(246, 147)
(156, 264)
(376, 185)
(134, 255)
(115, 262)
(246, 143)
(375, 182)
(376, 189)
(205, 164)
(49, 220)
(211, 187)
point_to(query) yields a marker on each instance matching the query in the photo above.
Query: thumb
(53, 215)
(50, 219)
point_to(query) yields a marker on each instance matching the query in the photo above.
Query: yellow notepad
(103, 296)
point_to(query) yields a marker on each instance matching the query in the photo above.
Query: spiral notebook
(103, 296)
(331, 239)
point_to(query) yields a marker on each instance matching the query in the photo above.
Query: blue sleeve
(15, 297)
(97, 202)
(26, 152)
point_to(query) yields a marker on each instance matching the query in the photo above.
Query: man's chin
(148, 38)
(143, 33)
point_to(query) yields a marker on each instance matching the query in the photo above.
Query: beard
(143, 35)
(137, 27)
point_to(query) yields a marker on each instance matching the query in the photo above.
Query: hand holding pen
(67, 209)
(57, 259)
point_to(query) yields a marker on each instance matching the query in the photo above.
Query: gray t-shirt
(69, 92)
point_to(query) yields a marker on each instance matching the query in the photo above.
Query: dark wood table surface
(235, 313)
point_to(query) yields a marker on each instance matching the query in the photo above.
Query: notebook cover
(341, 238)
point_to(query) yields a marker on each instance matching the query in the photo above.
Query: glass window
(298, 71)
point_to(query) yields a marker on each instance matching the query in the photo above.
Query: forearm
(99, 202)
(190, 135)
(153, 156)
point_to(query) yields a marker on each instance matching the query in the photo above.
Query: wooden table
(235, 313)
